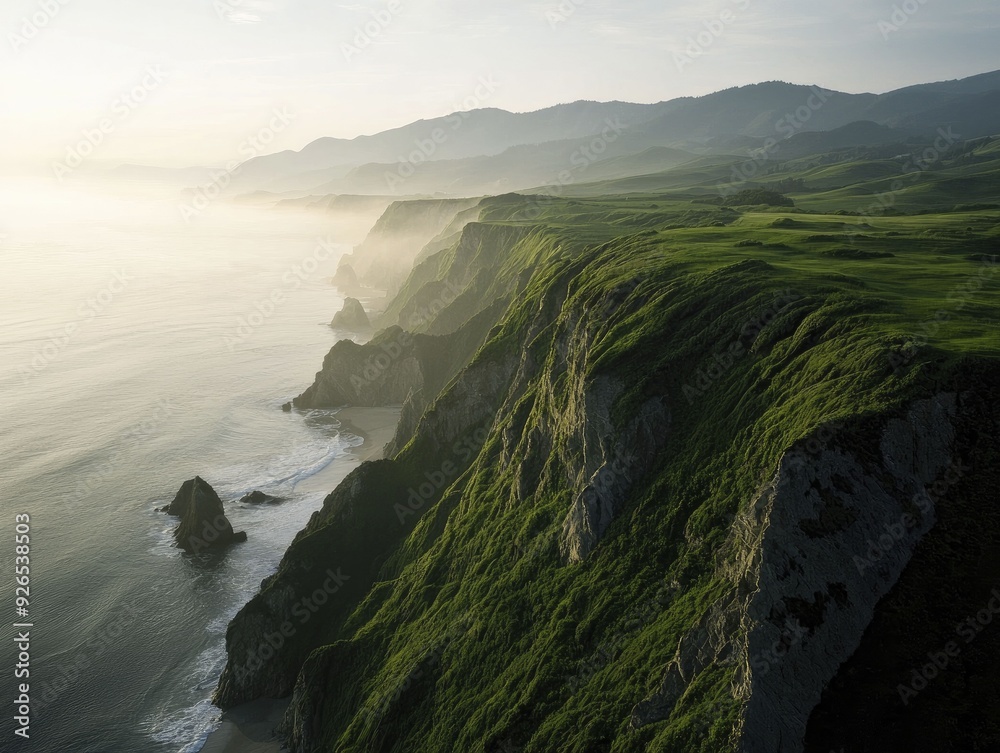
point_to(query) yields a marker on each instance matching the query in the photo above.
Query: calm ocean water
(137, 351)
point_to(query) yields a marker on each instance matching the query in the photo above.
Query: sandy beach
(375, 425)
(251, 728)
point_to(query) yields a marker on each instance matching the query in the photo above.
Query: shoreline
(250, 728)
(376, 426)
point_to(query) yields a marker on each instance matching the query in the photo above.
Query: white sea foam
(187, 729)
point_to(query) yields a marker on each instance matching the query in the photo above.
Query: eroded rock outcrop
(381, 372)
(352, 317)
(827, 538)
(204, 525)
(613, 463)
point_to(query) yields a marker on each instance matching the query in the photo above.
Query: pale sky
(220, 68)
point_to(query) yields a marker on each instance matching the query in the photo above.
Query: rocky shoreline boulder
(260, 498)
(204, 525)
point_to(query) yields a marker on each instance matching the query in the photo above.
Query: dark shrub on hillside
(756, 196)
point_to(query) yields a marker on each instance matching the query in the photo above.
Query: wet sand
(248, 729)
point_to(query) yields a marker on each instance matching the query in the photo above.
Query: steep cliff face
(819, 523)
(642, 498)
(450, 287)
(805, 588)
(384, 258)
(361, 525)
(383, 371)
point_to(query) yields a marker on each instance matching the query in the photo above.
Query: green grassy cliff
(646, 443)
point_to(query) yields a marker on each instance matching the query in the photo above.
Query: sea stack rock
(351, 317)
(346, 279)
(203, 526)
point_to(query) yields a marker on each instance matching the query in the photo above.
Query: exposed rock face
(203, 526)
(613, 463)
(381, 372)
(396, 367)
(351, 317)
(834, 598)
(260, 498)
(821, 545)
(409, 418)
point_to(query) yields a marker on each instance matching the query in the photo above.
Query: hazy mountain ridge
(491, 150)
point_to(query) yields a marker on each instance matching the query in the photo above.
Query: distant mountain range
(494, 151)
